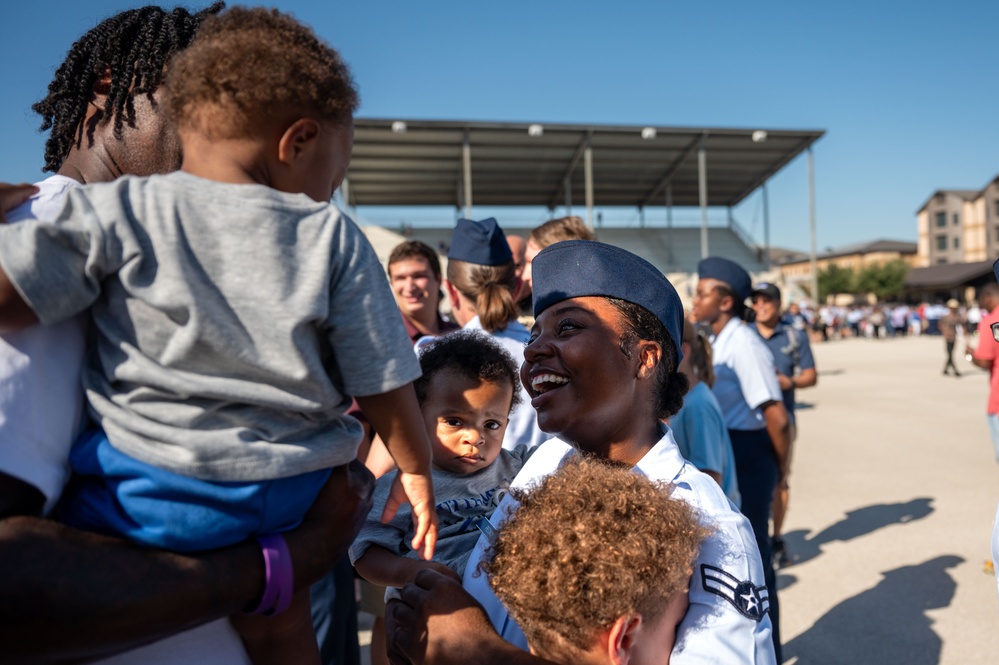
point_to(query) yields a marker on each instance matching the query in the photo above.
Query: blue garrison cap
(579, 268)
(482, 243)
(730, 272)
(995, 269)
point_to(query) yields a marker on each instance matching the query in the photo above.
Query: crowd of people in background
(886, 320)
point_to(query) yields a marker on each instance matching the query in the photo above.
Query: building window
(997, 234)
(997, 207)
(957, 219)
(942, 219)
(957, 243)
(941, 260)
(942, 243)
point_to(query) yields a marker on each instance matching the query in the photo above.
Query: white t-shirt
(745, 376)
(41, 407)
(41, 404)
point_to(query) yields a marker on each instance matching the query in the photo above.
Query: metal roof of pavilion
(515, 164)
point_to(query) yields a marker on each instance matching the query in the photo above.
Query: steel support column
(766, 227)
(669, 206)
(466, 163)
(588, 172)
(702, 189)
(811, 225)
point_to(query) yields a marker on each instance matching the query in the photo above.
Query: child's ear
(622, 637)
(297, 140)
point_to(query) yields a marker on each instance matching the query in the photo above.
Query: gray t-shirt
(233, 321)
(462, 500)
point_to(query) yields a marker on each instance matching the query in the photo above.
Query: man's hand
(436, 621)
(331, 524)
(12, 196)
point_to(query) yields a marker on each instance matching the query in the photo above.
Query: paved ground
(894, 490)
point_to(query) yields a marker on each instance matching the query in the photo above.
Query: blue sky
(904, 90)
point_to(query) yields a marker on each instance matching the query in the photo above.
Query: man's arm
(66, 594)
(778, 427)
(981, 362)
(14, 312)
(12, 196)
(379, 566)
(808, 378)
(436, 621)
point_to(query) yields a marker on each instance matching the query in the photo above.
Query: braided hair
(135, 45)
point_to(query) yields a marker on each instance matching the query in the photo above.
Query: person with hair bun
(601, 369)
(481, 282)
(699, 426)
(749, 394)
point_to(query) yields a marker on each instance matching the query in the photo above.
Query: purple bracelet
(278, 576)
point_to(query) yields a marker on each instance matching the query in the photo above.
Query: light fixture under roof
(535, 130)
(649, 133)
(398, 127)
(760, 136)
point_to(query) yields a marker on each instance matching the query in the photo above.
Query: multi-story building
(798, 269)
(959, 226)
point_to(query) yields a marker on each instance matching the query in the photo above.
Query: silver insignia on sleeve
(752, 601)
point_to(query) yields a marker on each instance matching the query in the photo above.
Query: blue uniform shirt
(792, 353)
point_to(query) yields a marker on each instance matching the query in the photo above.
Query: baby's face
(655, 642)
(466, 419)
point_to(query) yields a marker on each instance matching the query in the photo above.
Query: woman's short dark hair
(670, 386)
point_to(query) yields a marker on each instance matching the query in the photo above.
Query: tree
(834, 280)
(884, 280)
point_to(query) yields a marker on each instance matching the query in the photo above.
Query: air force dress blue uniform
(728, 620)
(729, 616)
(745, 379)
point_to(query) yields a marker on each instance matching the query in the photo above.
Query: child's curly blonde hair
(591, 543)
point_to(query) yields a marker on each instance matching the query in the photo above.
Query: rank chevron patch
(752, 601)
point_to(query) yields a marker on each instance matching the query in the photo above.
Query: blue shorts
(115, 494)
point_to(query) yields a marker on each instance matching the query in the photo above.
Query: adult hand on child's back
(331, 524)
(12, 196)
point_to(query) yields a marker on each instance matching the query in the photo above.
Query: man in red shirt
(986, 355)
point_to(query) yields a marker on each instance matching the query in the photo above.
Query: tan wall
(975, 234)
(923, 244)
(803, 269)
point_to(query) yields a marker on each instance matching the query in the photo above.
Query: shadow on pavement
(886, 624)
(857, 523)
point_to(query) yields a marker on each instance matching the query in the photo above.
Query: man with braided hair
(66, 594)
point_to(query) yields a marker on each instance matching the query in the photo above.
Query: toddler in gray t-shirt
(468, 387)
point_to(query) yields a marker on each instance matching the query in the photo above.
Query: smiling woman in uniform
(601, 371)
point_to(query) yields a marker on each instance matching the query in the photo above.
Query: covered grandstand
(464, 165)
